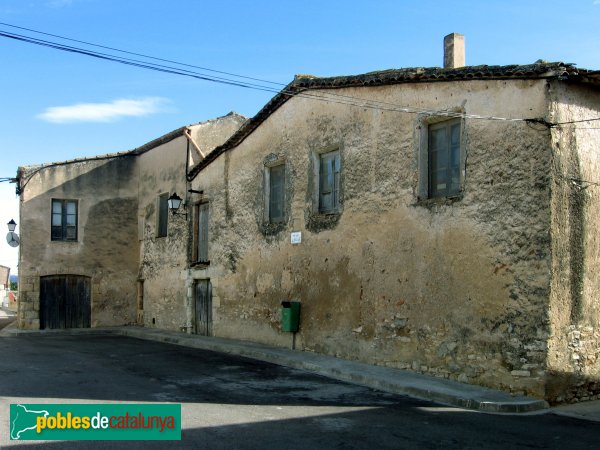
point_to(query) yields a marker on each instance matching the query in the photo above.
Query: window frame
(201, 256)
(162, 215)
(269, 218)
(64, 216)
(423, 125)
(452, 152)
(336, 181)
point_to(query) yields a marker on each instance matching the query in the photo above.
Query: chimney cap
(454, 50)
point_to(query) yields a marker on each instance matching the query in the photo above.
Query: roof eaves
(538, 70)
(134, 152)
(38, 167)
(26, 170)
(247, 127)
(589, 77)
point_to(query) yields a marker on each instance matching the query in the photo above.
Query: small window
(64, 220)
(202, 234)
(276, 201)
(329, 182)
(163, 216)
(444, 159)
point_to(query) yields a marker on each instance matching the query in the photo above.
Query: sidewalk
(7, 318)
(402, 382)
(5, 313)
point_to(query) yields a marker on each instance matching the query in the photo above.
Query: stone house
(12, 301)
(441, 220)
(447, 222)
(4, 285)
(96, 235)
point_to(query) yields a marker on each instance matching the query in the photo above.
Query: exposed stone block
(520, 373)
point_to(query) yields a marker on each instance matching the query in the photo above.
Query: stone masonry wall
(104, 250)
(457, 289)
(574, 313)
(164, 260)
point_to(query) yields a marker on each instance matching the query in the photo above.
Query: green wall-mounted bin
(290, 316)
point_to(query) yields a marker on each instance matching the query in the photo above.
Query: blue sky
(57, 105)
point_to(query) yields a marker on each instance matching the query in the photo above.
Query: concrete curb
(386, 379)
(397, 381)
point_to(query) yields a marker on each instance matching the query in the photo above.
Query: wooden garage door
(65, 301)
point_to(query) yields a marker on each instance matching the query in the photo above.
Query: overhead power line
(575, 121)
(294, 92)
(132, 62)
(327, 97)
(140, 54)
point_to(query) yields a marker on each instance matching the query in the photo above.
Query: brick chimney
(454, 51)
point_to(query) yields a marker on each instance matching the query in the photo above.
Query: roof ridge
(137, 150)
(540, 69)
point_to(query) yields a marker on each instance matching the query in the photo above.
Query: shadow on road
(235, 402)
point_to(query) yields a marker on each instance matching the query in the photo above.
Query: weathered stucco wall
(212, 133)
(135, 275)
(106, 192)
(458, 289)
(574, 313)
(164, 260)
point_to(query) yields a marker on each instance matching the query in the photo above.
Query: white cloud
(103, 112)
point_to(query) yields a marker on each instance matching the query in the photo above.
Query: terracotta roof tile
(538, 70)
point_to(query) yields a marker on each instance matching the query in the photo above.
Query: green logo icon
(95, 422)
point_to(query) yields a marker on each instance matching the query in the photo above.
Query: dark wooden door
(65, 301)
(203, 307)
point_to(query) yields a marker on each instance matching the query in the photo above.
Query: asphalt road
(232, 402)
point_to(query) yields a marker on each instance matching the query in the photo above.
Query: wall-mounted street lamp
(174, 202)
(12, 238)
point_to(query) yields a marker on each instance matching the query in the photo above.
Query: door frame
(72, 305)
(203, 328)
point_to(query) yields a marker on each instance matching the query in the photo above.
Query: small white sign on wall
(296, 237)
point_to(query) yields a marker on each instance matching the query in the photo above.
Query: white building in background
(4, 285)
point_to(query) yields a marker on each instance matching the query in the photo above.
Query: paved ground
(6, 317)
(233, 402)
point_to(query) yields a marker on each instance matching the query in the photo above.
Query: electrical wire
(347, 100)
(373, 104)
(131, 62)
(575, 121)
(293, 91)
(577, 182)
(141, 54)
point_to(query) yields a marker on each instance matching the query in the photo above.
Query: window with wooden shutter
(64, 220)
(162, 220)
(202, 233)
(444, 159)
(276, 201)
(329, 181)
